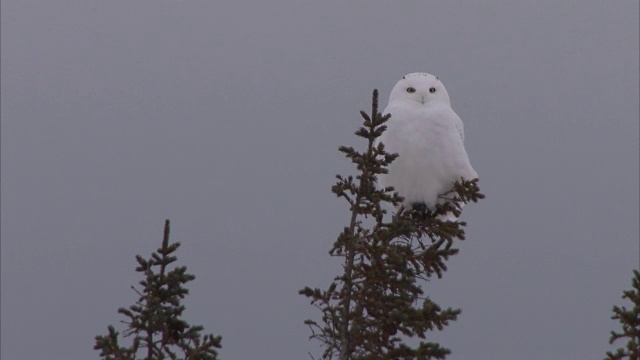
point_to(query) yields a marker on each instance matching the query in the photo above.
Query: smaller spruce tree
(630, 321)
(155, 320)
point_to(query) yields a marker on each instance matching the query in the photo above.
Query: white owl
(428, 136)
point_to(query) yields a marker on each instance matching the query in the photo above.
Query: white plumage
(428, 136)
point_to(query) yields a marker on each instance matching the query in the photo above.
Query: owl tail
(450, 216)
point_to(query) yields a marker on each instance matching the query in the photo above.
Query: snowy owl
(428, 136)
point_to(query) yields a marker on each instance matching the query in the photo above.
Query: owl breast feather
(431, 153)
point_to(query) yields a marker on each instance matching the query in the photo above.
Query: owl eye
(432, 90)
(411, 90)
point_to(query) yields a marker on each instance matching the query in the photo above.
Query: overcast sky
(226, 116)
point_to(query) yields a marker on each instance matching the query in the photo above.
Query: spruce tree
(377, 303)
(630, 321)
(154, 322)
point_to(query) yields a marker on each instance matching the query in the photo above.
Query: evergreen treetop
(378, 302)
(154, 322)
(630, 321)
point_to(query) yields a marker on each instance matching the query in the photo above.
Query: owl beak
(422, 99)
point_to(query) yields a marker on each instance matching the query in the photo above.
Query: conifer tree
(377, 303)
(630, 321)
(155, 320)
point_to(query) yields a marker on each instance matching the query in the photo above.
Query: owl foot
(419, 210)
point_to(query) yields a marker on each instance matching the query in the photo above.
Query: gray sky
(225, 116)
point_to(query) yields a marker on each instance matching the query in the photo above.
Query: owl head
(420, 89)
